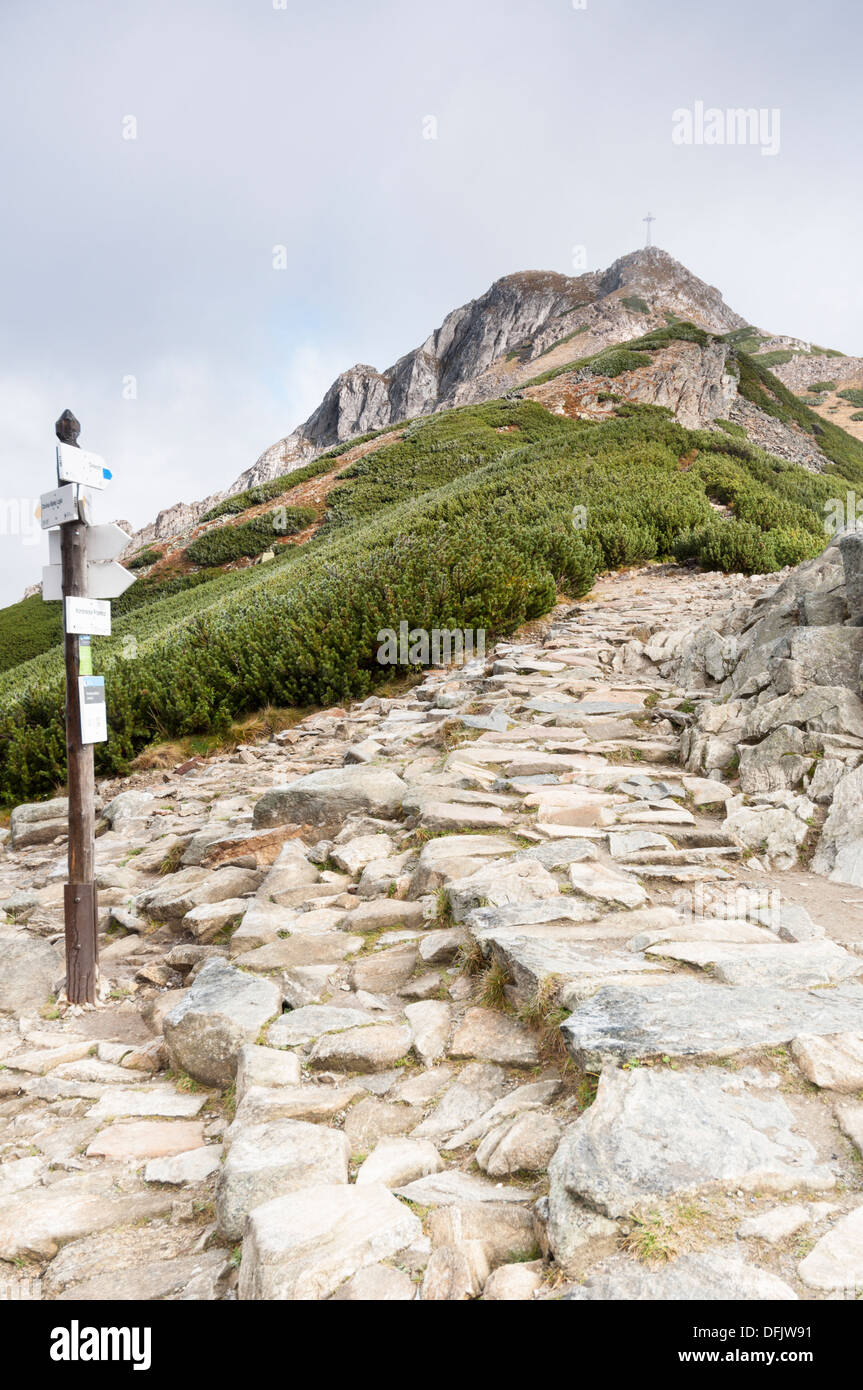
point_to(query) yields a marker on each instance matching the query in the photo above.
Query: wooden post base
(79, 903)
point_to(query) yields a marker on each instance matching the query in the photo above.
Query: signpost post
(85, 693)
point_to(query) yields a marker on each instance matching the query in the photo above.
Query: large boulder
(839, 855)
(223, 1010)
(304, 1245)
(38, 823)
(630, 1148)
(327, 797)
(29, 971)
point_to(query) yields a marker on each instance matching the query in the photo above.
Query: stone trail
(505, 988)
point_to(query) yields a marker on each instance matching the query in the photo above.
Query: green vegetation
(737, 431)
(249, 537)
(821, 386)
(635, 303)
(852, 394)
(265, 492)
(777, 358)
(143, 558)
(758, 385)
(858, 415)
(28, 628)
(466, 521)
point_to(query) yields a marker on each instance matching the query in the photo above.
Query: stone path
(474, 992)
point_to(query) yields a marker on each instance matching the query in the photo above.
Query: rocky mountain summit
(524, 315)
(481, 350)
(534, 323)
(515, 986)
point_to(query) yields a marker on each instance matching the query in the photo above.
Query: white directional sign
(94, 718)
(59, 506)
(88, 616)
(106, 542)
(80, 466)
(108, 580)
(52, 583)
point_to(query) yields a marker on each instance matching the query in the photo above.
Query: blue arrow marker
(106, 473)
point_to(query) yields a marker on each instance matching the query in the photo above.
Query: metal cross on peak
(648, 219)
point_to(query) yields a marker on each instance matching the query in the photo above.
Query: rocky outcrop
(523, 315)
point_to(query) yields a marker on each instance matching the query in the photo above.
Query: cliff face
(487, 345)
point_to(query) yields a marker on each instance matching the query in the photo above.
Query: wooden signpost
(85, 698)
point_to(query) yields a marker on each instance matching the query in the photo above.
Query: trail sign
(59, 506)
(108, 580)
(106, 542)
(76, 465)
(90, 616)
(91, 700)
(52, 583)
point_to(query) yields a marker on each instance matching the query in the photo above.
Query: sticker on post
(94, 717)
(88, 615)
(85, 656)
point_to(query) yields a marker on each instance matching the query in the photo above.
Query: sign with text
(80, 466)
(94, 717)
(59, 506)
(91, 616)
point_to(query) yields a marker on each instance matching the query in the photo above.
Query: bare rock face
(528, 312)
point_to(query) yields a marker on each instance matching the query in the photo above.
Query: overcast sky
(145, 265)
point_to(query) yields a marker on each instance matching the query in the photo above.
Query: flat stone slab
(494, 1037)
(265, 1066)
(834, 1063)
(712, 1276)
(656, 1134)
(607, 885)
(260, 1104)
(146, 1100)
(793, 966)
(304, 1246)
(688, 1018)
(369, 1049)
(533, 955)
(394, 1162)
(837, 1260)
(312, 1021)
(474, 1091)
(445, 1189)
(147, 1139)
(330, 795)
(70, 1209)
(267, 1161)
(191, 1167)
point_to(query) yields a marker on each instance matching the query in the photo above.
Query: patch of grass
(491, 990)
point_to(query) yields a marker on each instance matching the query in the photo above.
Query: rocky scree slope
(476, 992)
